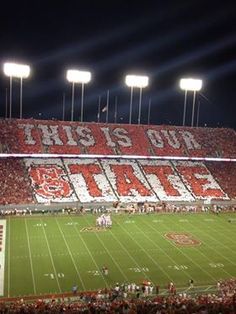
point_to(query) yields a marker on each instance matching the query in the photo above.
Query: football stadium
(118, 157)
(116, 216)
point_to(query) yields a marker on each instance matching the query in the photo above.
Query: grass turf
(50, 254)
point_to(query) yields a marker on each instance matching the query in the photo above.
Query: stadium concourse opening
(144, 202)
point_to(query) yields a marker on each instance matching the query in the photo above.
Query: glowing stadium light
(76, 76)
(16, 70)
(136, 81)
(190, 84)
(80, 77)
(140, 82)
(20, 71)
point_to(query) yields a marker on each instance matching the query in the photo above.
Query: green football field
(50, 254)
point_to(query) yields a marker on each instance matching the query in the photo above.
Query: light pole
(194, 85)
(63, 106)
(20, 71)
(79, 77)
(149, 110)
(139, 82)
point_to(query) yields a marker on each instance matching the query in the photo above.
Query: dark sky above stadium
(165, 40)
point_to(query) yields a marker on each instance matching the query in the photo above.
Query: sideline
(2, 254)
(71, 297)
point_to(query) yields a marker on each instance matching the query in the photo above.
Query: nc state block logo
(182, 238)
(50, 181)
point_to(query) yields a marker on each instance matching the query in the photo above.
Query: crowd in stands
(38, 136)
(136, 300)
(25, 181)
(224, 173)
(14, 182)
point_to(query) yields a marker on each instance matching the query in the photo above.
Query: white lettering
(155, 138)
(69, 135)
(108, 137)
(28, 133)
(190, 141)
(171, 138)
(210, 184)
(126, 141)
(50, 134)
(87, 138)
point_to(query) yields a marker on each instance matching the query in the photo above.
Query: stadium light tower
(190, 84)
(20, 71)
(79, 77)
(139, 82)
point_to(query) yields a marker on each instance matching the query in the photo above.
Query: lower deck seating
(14, 182)
(43, 180)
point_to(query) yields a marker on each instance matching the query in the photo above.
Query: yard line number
(178, 267)
(139, 269)
(216, 265)
(40, 225)
(71, 223)
(94, 272)
(52, 276)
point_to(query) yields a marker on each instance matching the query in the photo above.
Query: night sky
(165, 40)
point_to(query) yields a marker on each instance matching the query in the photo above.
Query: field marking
(114, 261)
(8, 257)
(224, 218)
(223, 234)
(150, 257)
(208, 288)
(198, 265)
(217, 251)
(177, 248)
(59, 227)
(89, 252)
(30, 256)
(50, 254)
(169, 257)
(2, 255)
(204, 255)
(124, 248)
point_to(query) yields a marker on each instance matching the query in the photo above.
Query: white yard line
(114, 261)
(208, 288)
(176, 247)
(216, 252)
(150, 257)
(8, 258)
(30, 256)
(50, 254)
(71, 256)
(89, 252)
(131, 257)
(2, 255)
(222, 234)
